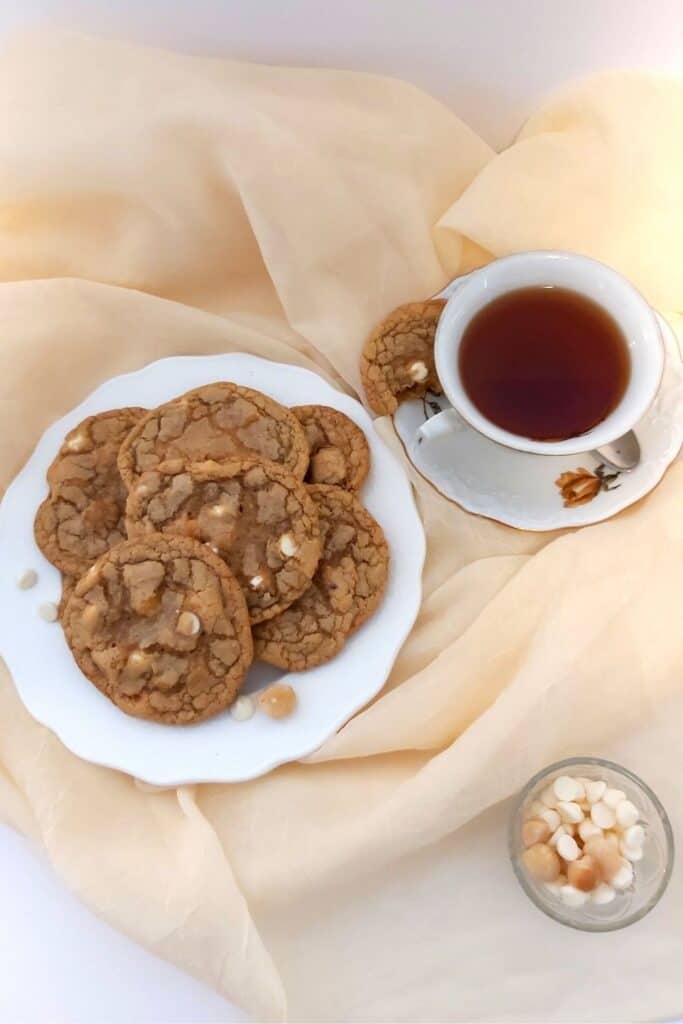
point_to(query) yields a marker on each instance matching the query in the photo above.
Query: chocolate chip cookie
(160, 626)
(346, 589)
(397, 362)
(83, 515)
(257, 516)
(218, 421)
(339, 451)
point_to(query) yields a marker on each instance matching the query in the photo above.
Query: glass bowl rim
(591, 926)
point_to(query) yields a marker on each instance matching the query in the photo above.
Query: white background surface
(491, 61)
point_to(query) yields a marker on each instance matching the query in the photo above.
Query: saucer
(541, 492)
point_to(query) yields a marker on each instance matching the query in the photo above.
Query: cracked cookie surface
(83, 515)
(161, 627)
(397, 362)
(218, 421)
(255, 515)
(347, 587)
(340, 454)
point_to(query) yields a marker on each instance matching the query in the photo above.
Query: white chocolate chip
(560, 831)
(627, 814)
(218, 511)
(138, 662)
(255, 582)
(141, 491)
(554, 887)
(632, 853)
(550, 816)
(567, 789)
(287, 545)
(418, 371)
(588, 830)
(568, 848)
(27, 579)
(548, 797)
(572, 897)
(635, 836)
(623, 878)
(242, 709)
(602, 894)
(570, 812)
(77, 443)
(595, 791)
(215, 549)
(188, 624)
(48, 611)
(535, 809)
(602, 815)
(613, 797)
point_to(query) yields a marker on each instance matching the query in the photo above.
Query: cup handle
(453, 286)
(444, 423)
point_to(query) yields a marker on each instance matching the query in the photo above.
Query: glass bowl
(651, 874)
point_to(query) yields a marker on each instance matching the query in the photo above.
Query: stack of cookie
(194, 537)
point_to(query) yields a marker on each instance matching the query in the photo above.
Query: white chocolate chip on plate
(27, 579)
(242, 709)
(48, 611)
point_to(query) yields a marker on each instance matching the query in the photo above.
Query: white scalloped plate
(519, 489)
(220, 750)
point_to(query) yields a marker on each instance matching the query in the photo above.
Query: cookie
(257, 516)
(398, 358)
(339, 451)
(219, 421)
(83, 515)
(346, 589)
(160, 626)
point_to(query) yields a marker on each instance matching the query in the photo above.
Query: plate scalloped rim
(92, 727)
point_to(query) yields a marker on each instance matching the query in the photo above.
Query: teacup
(589, 278)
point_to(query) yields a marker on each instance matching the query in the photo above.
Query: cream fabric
(155, 204)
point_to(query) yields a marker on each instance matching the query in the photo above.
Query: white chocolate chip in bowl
(570, 812)
(567, 789)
